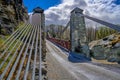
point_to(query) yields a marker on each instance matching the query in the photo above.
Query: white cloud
(30, 13)
(103, 9)
(60, 14)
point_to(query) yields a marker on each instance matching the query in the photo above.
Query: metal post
(42, 32)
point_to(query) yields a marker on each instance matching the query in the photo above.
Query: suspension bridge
(23, 61)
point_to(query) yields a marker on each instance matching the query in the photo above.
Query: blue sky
(58, 11)
(45, 4)
(117, 2)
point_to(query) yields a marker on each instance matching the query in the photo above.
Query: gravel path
(59, 68)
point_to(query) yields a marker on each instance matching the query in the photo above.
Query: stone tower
(78, 32)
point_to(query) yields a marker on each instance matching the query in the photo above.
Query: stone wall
(12, 12)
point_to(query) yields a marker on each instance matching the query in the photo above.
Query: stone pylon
(78, 32)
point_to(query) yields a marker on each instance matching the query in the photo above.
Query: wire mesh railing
(22, 50)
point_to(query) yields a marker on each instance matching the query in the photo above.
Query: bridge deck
(62, 69)
(21, 54)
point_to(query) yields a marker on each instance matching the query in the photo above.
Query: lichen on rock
(11, 14)
(107, 48)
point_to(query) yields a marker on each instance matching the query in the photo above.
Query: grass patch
(19, 25)
(3, 38)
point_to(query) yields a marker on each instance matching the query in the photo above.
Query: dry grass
(103, 61)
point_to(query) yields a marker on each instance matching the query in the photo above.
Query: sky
(45, 4)
(58, 11)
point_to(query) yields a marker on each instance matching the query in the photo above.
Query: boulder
(107, 48)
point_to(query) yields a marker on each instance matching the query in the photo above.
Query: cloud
(60, 14)
(30, 13)
(103, 9)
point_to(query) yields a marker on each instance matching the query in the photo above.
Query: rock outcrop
(107, 48)
(12, 12)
